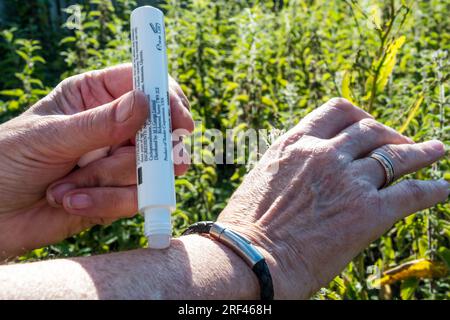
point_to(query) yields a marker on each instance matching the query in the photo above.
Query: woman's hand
(91, 120)
(315, 200)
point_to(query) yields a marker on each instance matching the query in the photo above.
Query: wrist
(224, 273)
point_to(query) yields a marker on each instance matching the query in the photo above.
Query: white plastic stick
(155, 173)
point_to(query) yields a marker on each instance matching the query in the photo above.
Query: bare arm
(313, 202)
(194, 267)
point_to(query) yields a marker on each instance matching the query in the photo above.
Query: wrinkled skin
(44, 145)
(314, 201)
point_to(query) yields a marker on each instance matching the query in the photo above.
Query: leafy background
(262, 64)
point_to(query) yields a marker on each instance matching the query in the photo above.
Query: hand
(317, 198)
(82, 114)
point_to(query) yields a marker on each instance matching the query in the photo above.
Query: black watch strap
(241, 246)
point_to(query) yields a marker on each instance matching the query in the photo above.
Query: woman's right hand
(315, 200)
(48, 191)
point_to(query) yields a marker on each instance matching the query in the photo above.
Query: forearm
(194, 267)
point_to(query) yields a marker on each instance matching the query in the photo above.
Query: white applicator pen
(155, 173)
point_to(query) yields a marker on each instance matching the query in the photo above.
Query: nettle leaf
(179, 213)
(339, 285)
(40, 92)
(447, 175)
(423, 246)
(230, 86)
(112, 27)
(242, 98)
(13, 105)
(67, 40)
(12, 92)
(91, 24)
(95, 13)
(38, 59)
(37, 82)
(189, 52)
(445, 226)
(23, 55)
(8, 35)
(268, 102)
(94, 52)
(408, 287)
(212, 51)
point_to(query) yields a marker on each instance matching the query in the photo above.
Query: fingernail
(79, 201)
(125, 108)
(436, 145)
(57, 192)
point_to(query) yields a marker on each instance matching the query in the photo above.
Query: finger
(406, 158)
(126, 143)
(92, 129)
(182, 119)
(410, 196)
(181, 116)
(181, 158)
(173, 84)
(98, 87)
(110, 83)
(93, 88)
(93, 156)
(117, 170)
(106, 203)
(116, 80)
(366, 135)
(331, 118)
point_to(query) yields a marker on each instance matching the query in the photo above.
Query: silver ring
(387, 165)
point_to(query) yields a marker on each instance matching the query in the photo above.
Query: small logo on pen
(156, 27)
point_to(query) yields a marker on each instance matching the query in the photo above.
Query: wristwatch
(243, 248)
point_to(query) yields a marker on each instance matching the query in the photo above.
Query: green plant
(29, 88)
(265, 64)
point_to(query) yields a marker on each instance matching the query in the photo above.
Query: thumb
(103, 126)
